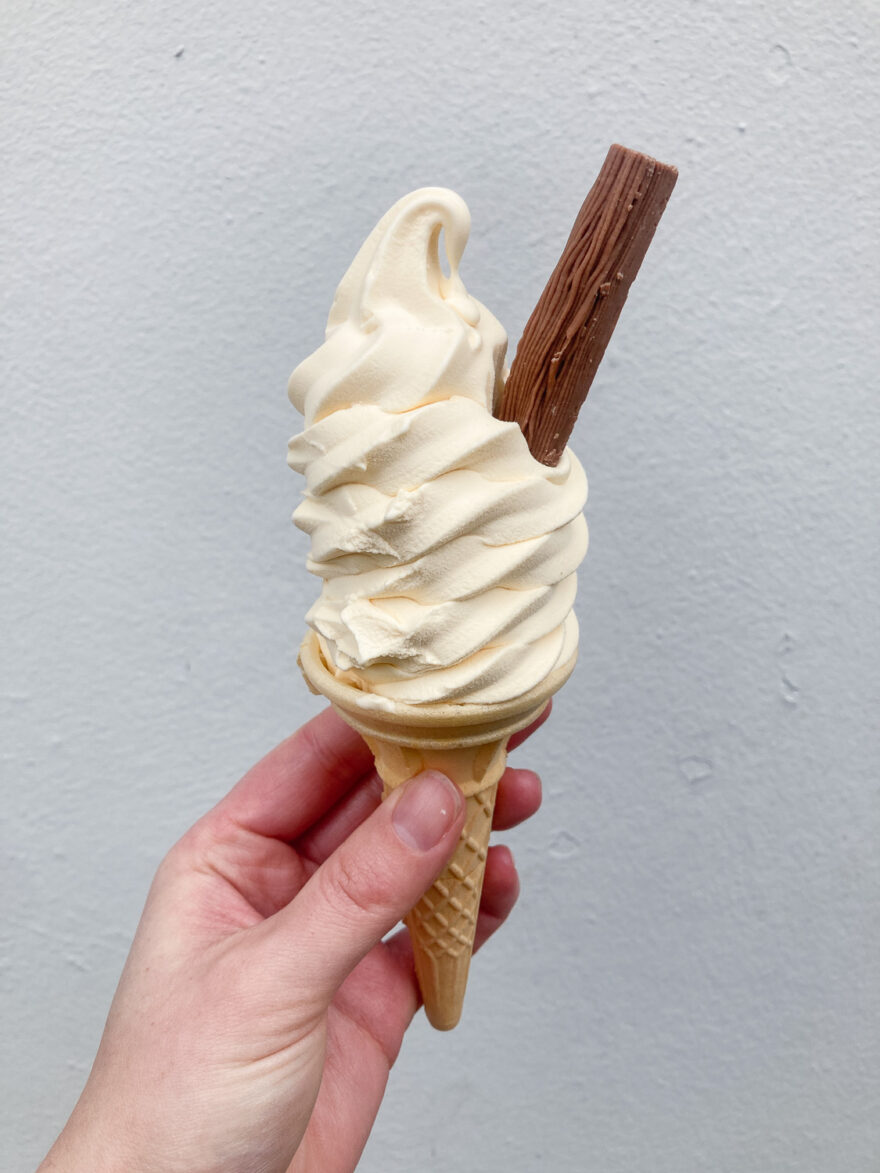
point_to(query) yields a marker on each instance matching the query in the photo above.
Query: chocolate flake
(570, 327)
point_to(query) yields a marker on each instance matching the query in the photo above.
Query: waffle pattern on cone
(445, 919)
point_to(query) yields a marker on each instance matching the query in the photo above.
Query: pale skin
(260, 1010)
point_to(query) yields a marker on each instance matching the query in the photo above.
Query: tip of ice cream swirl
(448, 553)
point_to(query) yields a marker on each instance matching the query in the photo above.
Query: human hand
(259, 1011)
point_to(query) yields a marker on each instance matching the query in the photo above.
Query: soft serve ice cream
(447, 552)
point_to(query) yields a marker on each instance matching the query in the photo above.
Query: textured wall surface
(690, 982)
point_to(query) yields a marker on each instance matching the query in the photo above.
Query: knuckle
(202, 847)
(193, 847)
(351, 888)
(324, 753)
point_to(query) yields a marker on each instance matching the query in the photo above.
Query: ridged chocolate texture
(566, 336)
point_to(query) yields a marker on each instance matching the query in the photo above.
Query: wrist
(84, 1146)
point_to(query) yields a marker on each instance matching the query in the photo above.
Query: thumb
(369, 883)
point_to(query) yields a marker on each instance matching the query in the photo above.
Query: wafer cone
(468, 743)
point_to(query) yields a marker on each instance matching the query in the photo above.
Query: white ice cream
(448, 553)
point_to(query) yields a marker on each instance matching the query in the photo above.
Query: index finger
(298, 781)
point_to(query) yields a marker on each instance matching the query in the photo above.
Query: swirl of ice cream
(448, 553)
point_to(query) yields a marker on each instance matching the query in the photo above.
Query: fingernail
(428, 807)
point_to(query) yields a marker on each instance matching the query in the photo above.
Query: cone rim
(433, 715)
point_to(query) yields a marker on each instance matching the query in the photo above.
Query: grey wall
(690, 983)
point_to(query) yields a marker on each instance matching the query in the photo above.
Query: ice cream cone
(468, 743)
